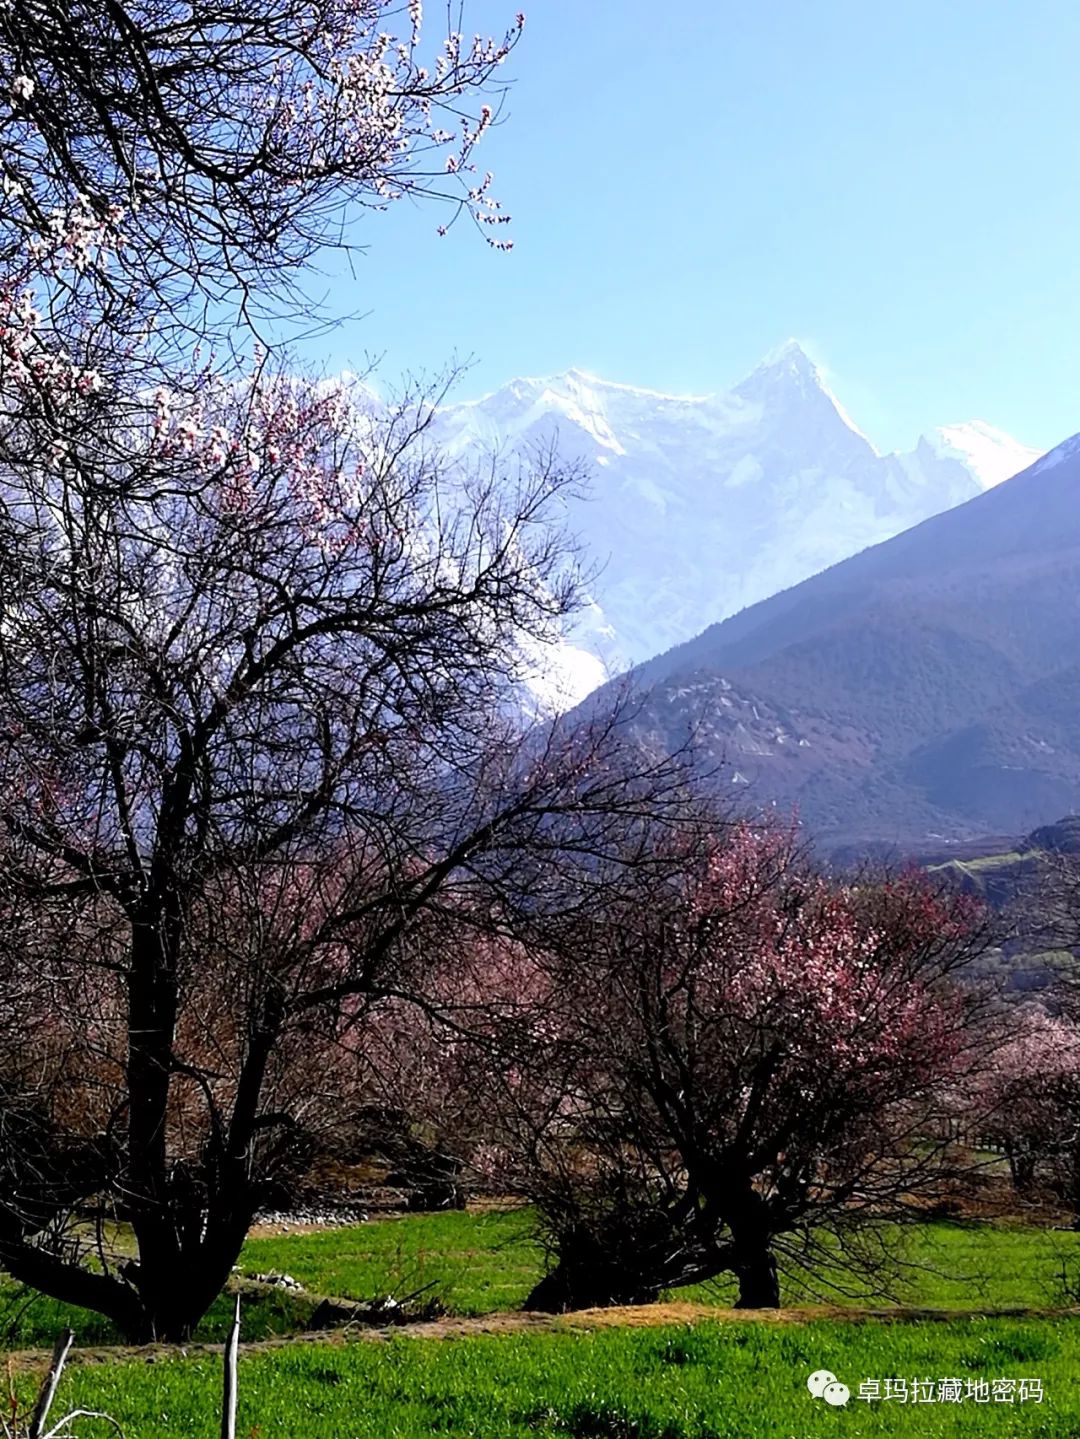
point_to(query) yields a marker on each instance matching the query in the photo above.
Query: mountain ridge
(928, 686)
(706, 504)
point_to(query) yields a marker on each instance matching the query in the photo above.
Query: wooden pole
(49, 1384)
(228, 1393)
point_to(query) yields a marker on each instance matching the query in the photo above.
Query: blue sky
(896, 184)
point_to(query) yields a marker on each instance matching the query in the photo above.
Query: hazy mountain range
(702, 506)
(926, 688)
(888, 644)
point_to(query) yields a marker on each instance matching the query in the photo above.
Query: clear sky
(896, 183)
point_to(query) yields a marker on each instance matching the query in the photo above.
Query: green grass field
(738, 1377)
(744, 1379)
(484, 1263)
(480, 1263)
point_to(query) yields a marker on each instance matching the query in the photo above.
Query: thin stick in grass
(228, 1393)
(48, 1388)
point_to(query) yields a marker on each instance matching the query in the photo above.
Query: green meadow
(714, 1379)
(615, 1378)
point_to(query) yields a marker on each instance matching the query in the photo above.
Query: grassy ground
(722, 1376)
(741, 1379)
(480, 1263)
(474, 1263)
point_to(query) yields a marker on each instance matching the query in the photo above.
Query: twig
(61, 1429)
(48, 1388)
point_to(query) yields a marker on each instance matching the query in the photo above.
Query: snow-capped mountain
(703, 505)
(990, 454)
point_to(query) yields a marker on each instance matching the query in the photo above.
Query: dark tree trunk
(207, 1219)
(578, 1284)
(1021, 1168)
(592, 1274)
(759, 1282)
(752, 1228)
(596, 1269)
(159, 1275)
(72, 1284)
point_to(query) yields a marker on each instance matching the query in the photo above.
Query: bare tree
(258, 748)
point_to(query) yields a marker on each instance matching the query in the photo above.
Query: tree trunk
(759, 1282)
(1074, 1185)
(578, 1284)
(590, 1274)
(153, 1001)
(70, 1283)
(1021, 1168)
(191, 1221)
(752, 1226)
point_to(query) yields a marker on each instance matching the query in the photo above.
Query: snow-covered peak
(987, 453)
(573, 381)
(788, 366)
(788, 379)
(788, 359)
(702, 505)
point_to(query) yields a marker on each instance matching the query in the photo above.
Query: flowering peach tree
(232, 139)
(260, 758)
(260, 763)
(746, 1056)
(1027, 1102)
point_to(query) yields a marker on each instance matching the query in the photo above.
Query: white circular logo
(836, 1394)
(819, 1380)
